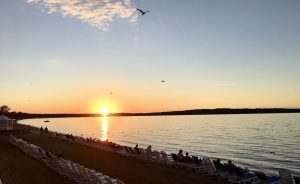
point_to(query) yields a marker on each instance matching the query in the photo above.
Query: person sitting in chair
(180, 156)
(149, 151)
(136, 149)
(188, 158)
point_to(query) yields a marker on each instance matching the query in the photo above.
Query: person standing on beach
(42, 131)
(46, 130)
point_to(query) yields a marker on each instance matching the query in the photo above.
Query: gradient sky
(66, 56)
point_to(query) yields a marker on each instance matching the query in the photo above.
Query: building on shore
(6, 123)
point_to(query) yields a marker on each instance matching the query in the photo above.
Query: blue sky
(211, 54)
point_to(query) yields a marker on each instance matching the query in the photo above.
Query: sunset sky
(77, 56)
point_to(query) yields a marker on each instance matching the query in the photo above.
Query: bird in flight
(142, 12)
(163, 81)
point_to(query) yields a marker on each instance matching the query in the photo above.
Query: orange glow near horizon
(103, 107)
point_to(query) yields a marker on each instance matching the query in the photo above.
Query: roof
(4, 118)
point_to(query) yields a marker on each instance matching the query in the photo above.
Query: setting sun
(104, 111)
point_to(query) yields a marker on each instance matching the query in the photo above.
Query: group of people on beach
(148, 150)
(186, 158)
(42, 131)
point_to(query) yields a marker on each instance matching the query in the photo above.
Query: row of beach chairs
(155, 156)
(162, 158)
(237, 175)
(67, 168)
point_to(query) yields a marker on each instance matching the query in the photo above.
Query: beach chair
(285, 177)
(180, 164)
(175, 157)
(209, 167)
(196, 160)
(166, 159)
(158, 158)
(87, 175)
(77, 175)
(98, 177)
(82, 173)
(132, 151)
(165, 156)
(142, 152)
(245, 178)
(74, 171)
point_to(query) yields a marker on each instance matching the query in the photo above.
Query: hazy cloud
(53, 62)
(98, 13)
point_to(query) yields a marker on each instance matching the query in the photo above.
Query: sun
(104, 111)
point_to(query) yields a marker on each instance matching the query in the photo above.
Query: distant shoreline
(217, 111)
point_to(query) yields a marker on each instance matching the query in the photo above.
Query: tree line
(5, 110)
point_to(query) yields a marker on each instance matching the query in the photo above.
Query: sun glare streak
(104, 128)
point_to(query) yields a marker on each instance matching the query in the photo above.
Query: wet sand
(15, 166)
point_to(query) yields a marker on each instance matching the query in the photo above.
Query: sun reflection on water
(104, 128)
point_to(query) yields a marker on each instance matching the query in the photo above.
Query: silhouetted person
(136, 149)
(188, 158)
(41, 131)
(230, 166)
(46, 130)
(149, 151)
(180, 156)
(217, 164)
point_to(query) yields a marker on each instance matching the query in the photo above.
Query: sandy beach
(16, 167)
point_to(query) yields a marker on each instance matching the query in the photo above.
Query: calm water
(248, 140)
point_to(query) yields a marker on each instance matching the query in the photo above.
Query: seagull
(142, 12)
(163, 81)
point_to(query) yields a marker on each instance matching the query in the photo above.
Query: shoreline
(129, 170)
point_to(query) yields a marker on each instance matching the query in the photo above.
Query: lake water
(265, 142)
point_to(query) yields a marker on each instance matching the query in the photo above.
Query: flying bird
(163, 81)
(142, 12)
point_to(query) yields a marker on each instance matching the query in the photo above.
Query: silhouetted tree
(4, 109)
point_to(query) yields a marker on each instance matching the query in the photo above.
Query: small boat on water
(46, 121)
